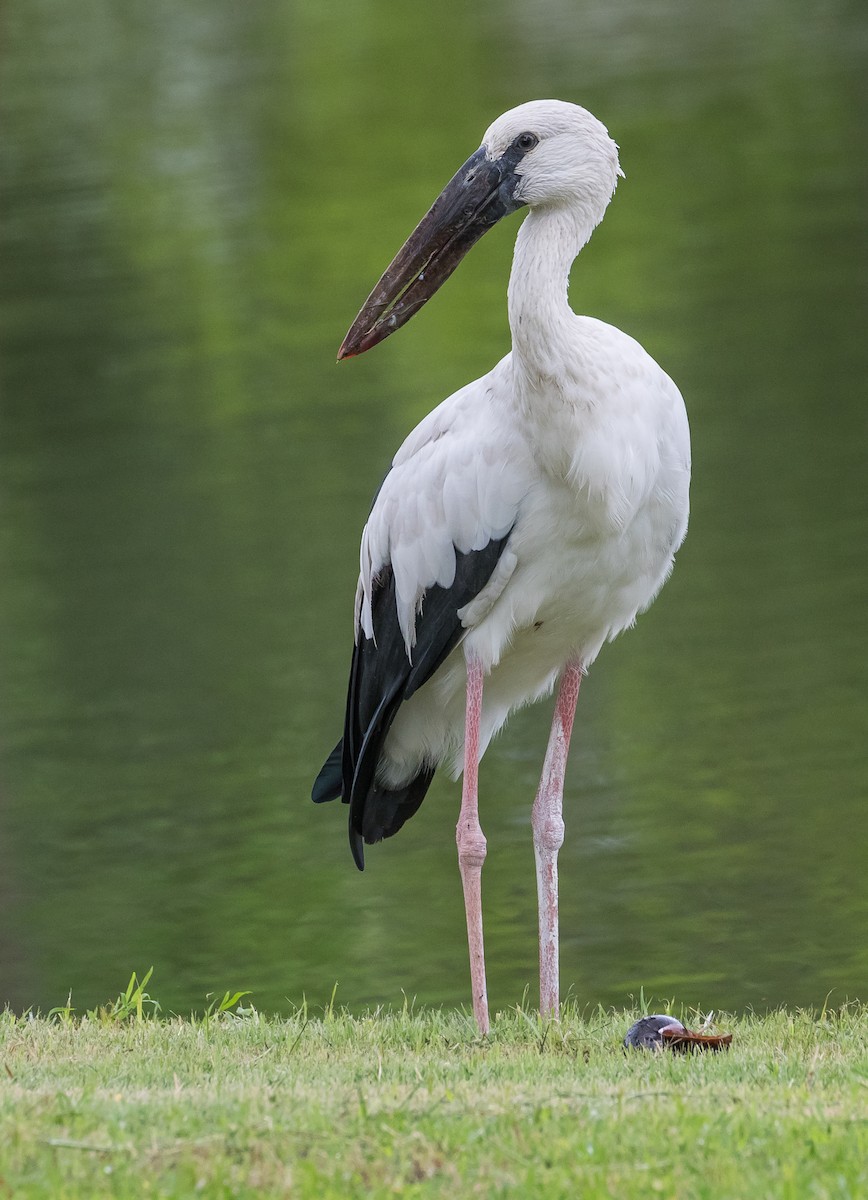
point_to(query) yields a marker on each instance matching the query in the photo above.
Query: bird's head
(567, 157)
(543, 153)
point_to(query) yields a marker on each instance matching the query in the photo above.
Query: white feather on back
(448, 490)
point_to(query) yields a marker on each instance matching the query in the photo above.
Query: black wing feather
(382, 677)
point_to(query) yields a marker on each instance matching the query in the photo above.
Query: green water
(195, 198)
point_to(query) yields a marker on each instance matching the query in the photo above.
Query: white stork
(526, 521)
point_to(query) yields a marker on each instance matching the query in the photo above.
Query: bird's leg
(471, 844)
(548, 835)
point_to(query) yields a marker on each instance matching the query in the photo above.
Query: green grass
(126, 1102)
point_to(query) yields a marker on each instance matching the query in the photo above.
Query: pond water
(194, 200)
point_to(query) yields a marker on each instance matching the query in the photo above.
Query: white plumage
(577, 441)
(575, 447)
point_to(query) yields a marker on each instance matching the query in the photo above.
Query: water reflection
(194, 203)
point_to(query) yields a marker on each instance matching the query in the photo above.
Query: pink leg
(548, 836)
(471, 844)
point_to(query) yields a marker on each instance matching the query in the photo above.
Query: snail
(660, 1032)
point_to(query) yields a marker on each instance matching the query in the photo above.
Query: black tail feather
(385, 812)
(382, 677)
(328, 785)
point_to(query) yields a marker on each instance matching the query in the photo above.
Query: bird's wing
(454, 487)
(436, 533)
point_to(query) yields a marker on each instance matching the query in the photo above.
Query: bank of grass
(125, 1102)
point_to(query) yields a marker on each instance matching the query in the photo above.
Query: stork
(525, 521)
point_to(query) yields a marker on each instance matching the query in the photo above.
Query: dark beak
(472, 202)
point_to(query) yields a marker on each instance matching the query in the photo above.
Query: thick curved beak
(474, 200)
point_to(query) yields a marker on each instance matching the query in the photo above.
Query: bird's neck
(543, 326)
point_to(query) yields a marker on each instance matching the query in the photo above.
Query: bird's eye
(526, 141)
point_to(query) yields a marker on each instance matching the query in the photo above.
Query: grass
(126, 1102)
